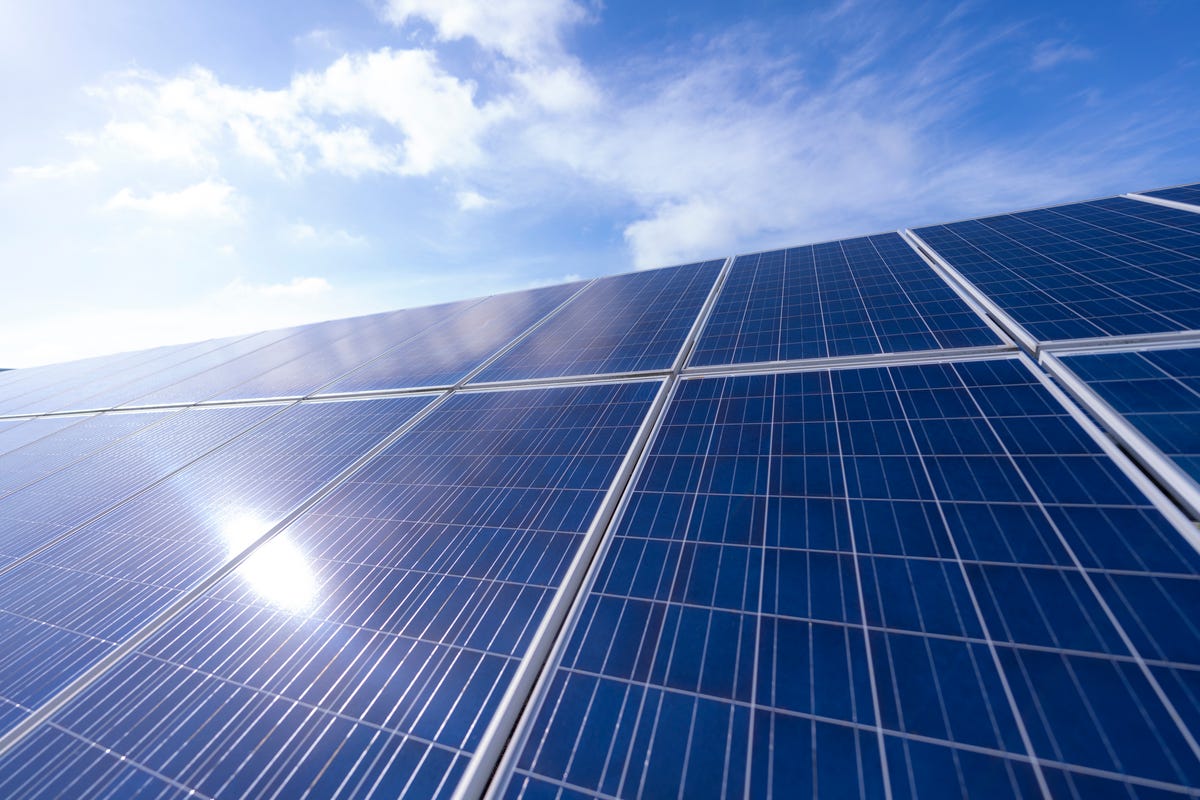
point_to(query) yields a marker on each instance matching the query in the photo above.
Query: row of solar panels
(918, 579)
(1115, 267)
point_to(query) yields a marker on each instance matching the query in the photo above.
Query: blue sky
(173, 171)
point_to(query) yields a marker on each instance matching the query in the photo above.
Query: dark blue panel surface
(853, 297)
(1180, 194)
(445, 353)
(1108, 267)
(1157, 391)
(623, 323)
(826, 581)
(72, 602)
(361, 651)
(305, 359)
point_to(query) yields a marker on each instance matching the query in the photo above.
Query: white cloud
(51, 172)
(304, 234)
(295, 288)
(1051, 53)
(386, 111)
(524, 30)
(206, 200)
(471, 200)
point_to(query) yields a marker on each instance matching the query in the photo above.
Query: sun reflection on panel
(278, 571)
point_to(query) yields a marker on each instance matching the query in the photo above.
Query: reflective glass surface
(852, 297)
(921, 576)
(362, 650)
(624, 323)
(1104, 268)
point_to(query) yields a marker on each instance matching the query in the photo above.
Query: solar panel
(362, 650)
(625, 323)
(74, 601)
(1105, 268)
(852, 297)
(309, 357)
(446, 353)
(924, 576)
(1157, 391)
(1180, 194)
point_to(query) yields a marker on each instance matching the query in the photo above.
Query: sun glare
(277, 571)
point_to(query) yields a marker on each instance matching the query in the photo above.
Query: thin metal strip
(1179, 484)
(1011, 327)
(1161, 201)
(529, 680)
(1139, 341)
(849, 362)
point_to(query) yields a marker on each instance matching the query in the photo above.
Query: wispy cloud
(304, 234)
(51, 172)
(1053, 52)
(210, 199)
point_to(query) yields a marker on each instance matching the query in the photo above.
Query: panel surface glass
(1103, 268)
(1157, 391)
(362, 651)
(446, 353)
(73, 602)
(917, 576)
(624, 323)
(1180, 194)
(305, 360)
(852, 297)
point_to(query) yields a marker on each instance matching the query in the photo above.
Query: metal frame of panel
(1162, 201)
(1170, 476)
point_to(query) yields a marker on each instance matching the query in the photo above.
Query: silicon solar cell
(625, 323)
(1106, 268)
(1157, 391)
(925, 576)
(307, 359)
(446, 353)
(1180, 194)
(73, 602)
(363, 649)
(853, 297)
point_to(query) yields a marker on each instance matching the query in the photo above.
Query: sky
(174, 171)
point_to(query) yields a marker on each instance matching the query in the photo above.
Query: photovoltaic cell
(852, 297)
(362, 651)
(306, 359)
(73, 602)
(624, 323)
(920, 576)
(1180, 194)
(1105, 268)
(1157, 391)
(446, 353)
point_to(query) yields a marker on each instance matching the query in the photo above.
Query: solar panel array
(818, 521)
(1180, 194)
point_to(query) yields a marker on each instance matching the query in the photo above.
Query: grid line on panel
(42, 714)
(1184, 730)
(981, 618)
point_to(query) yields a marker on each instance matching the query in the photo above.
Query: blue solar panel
(1109, 267)
(921, 575)
(853, 297)
(624, 323)
(57, 442)
(306, 359)
(446, 353)
(361, 651)
(1180, 194)
(1157, 391)
(73, 602)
